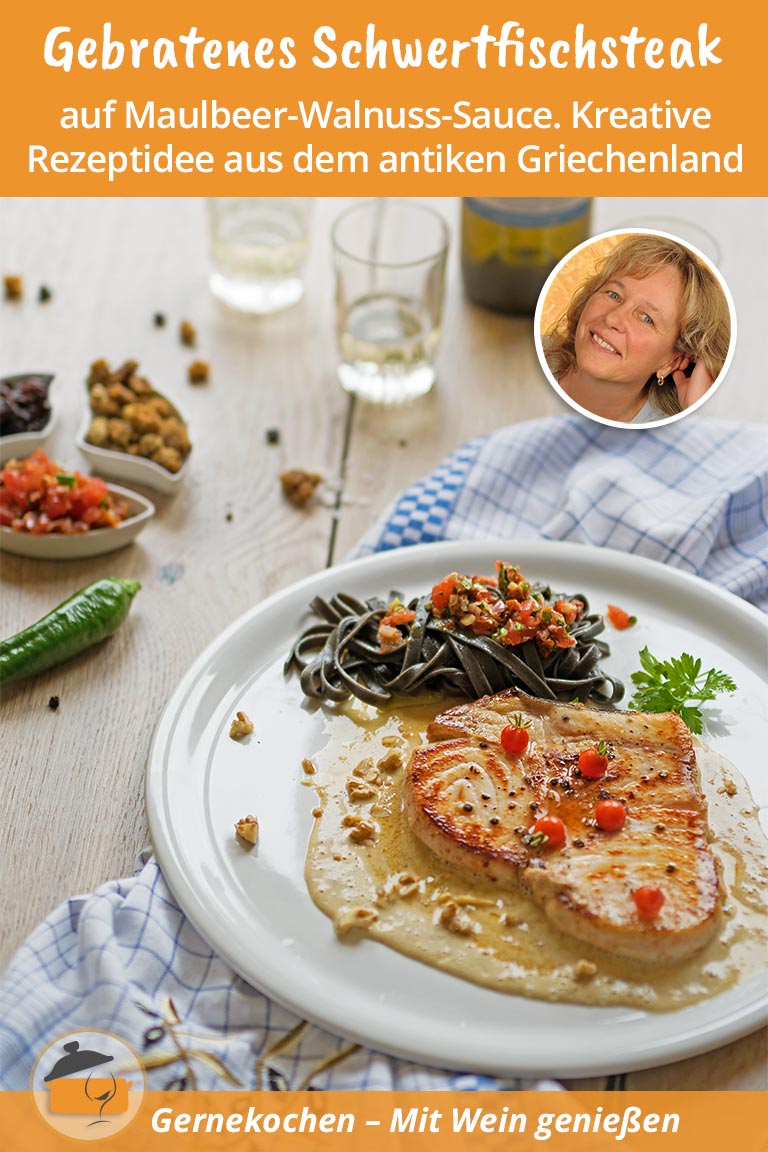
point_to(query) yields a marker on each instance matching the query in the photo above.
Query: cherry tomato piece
(611, 815)
(553, 828)
(648, 901)
(593, 764)
(619, 618)
(514, 740)
(442, 592)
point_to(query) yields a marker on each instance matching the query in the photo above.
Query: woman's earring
(659, 379)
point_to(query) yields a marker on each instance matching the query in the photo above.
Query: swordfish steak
(474, 806)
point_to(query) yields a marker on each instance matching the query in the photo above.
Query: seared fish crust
(473, 805)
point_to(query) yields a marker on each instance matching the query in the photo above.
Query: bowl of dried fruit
(27, 413)
(131, 431)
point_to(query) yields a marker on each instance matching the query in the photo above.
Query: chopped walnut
(142, 417)
(308, 766)
(187, 334)
(299, 486)
(98, 431)
(116, 392)
(150, 443)
(455, 921)
(360, 828)
(199, 372)
(99, 374)
(585, 970)
(354, 918)
(398, 887)
(390, 741)
(391, 762)
(120, 432)
(102, 403)
(248, 829)
(363, 767)
(240, 726)
(14, 287)
(168, 458)
(161, 406)
(728, 788)
(358, 790)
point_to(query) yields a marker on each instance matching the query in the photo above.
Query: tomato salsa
(38, 496)
(507, 608)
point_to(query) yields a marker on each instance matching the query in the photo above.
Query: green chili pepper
(89, 616)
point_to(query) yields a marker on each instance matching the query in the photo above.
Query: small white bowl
(124, 466)
(81, 545)
(22, 444)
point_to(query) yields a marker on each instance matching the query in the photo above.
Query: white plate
(253, 907)
(124, 466)
(81, 545)
(22, 444)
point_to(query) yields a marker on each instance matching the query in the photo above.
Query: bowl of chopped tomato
(51, 512)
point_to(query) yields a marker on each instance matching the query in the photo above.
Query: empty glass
(390, 260)
(258, 248)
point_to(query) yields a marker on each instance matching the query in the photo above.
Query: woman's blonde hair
(705, 324)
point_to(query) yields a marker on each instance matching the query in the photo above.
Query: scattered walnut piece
(308, 766)
(585, 970)
(358, 790)
(240, 726)
(14, 287)
(455, 921)
(248, 829)
(360, 828)
(390, 741)
(391, 762)
(299, 486)
(354, 918)
(728, 788)
(363, 767)
(398, 887)
(187, 334)
(199, 372)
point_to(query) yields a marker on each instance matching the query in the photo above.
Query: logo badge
(88, 1085)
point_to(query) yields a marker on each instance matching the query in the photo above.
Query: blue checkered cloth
(126, 959)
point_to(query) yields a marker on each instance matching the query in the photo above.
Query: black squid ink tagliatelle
(470, 636)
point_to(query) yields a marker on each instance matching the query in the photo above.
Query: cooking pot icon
(92, 1094)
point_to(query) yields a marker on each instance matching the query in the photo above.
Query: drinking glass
(258, 248)
(390, 260)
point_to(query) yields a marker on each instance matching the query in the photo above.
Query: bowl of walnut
(131, 431)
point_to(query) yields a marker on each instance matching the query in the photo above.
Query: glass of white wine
(390, 258)
(258, 250)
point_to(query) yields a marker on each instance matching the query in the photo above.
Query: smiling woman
(645, 336)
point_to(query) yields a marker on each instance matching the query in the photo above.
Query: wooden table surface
(74, 814)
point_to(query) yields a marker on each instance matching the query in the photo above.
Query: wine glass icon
(102, 1099)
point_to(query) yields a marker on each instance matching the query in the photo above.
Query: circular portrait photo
(635, 328)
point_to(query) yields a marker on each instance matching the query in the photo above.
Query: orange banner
(411, 99)
(418, 1121)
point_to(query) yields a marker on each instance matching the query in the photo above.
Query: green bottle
(510, 246)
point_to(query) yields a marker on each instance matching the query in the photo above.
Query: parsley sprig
(677, 685)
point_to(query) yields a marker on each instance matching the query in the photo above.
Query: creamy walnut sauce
(367, 871)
